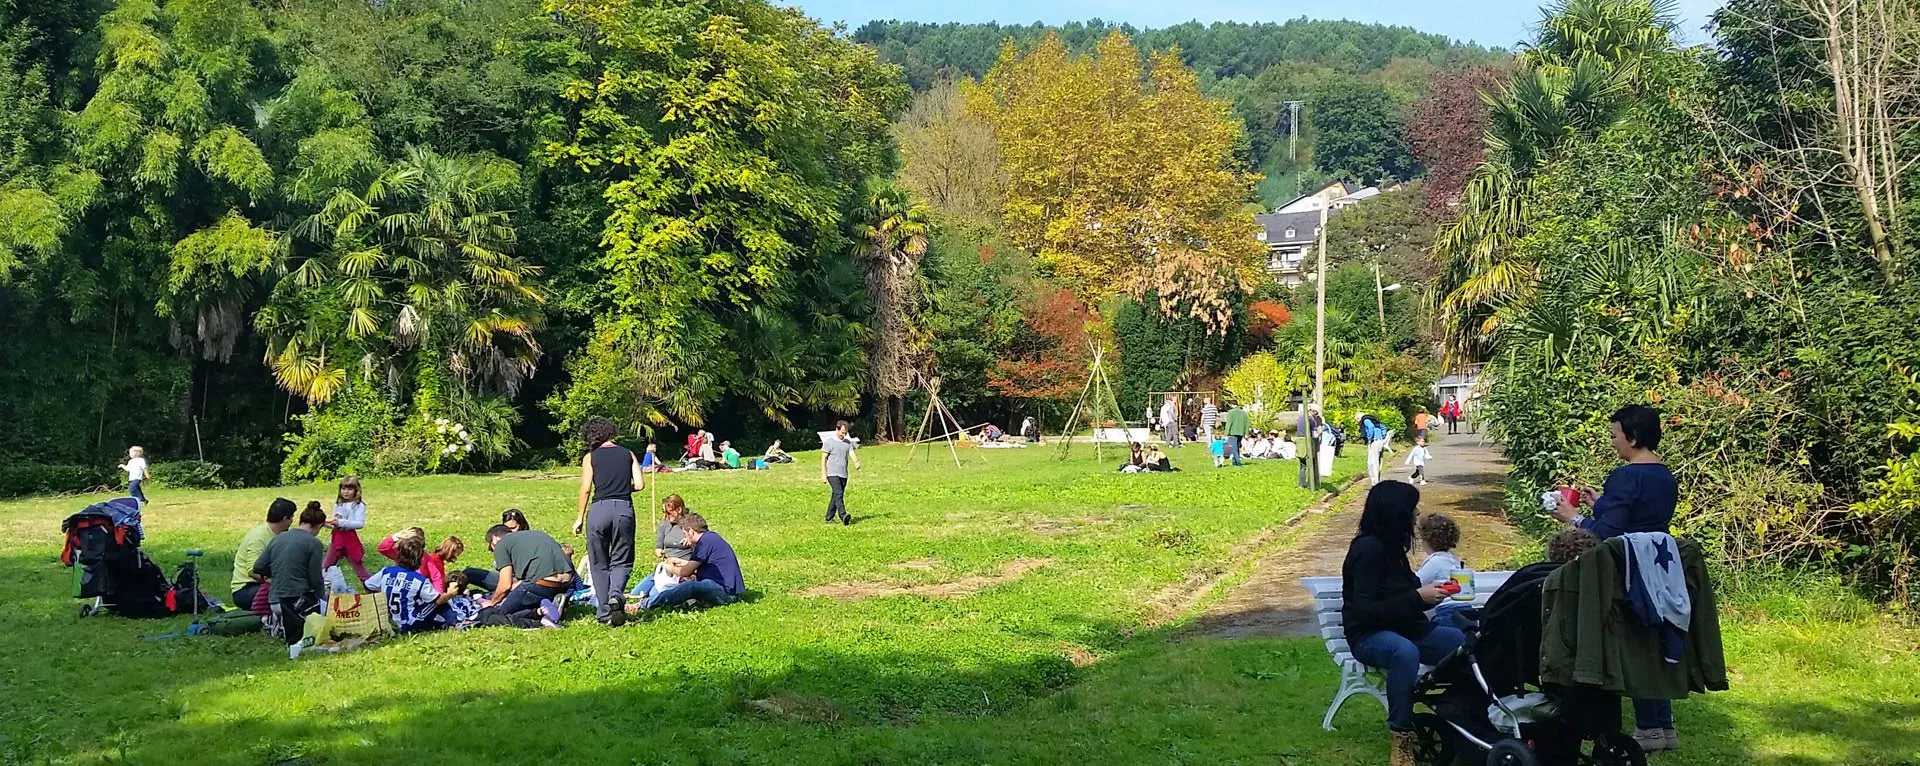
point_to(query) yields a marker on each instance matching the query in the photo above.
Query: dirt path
(1466, 480)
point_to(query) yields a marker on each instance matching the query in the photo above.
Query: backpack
(185, 590)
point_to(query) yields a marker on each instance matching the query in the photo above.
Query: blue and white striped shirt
(410, 595)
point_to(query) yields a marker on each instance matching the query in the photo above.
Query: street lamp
(1380, 298)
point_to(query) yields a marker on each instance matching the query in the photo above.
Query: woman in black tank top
(609, 473)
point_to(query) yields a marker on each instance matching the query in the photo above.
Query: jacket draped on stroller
(1541, 677)
(104, 541)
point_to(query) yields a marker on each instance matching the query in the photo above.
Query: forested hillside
(1356, 82)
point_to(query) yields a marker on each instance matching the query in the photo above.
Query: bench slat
(1328, 604)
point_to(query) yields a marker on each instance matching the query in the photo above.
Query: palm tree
(891, 239)
(1576, 80)
(413, 275)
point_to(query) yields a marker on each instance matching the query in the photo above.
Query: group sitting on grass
(1149, 460)
(281, 572)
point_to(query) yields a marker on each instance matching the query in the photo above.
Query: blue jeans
(1233, 448)
(1401, 658)
(707, 592)
(133, 491)
(1653, 714)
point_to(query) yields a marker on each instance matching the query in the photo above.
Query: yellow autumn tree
(1120, 178)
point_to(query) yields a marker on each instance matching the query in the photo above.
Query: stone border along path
(1468, 482)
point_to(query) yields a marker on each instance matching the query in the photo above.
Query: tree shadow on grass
(1859, 732)
(1154, 703)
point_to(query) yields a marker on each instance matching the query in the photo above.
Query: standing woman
(1386, 606)
(609, 473)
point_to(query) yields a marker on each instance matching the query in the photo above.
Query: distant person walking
(609, 473)
(1209, 417)
(136, 468)
(1237, 427)
(1375, 435)
(1309, 428)
(1451, 412)
(1170, 421)
(835, 453)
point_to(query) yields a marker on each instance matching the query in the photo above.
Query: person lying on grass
(711, 571)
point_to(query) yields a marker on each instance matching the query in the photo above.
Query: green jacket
(1590, 636)
(1237, 421)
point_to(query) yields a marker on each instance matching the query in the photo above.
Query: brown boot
(1402, 749)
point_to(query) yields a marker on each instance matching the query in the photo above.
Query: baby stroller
(113, 573)
(1487, 704)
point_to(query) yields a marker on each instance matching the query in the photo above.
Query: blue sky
(1488, 22)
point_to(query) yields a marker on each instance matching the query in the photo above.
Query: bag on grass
(336, 579)
(234, 622)
(358, 615)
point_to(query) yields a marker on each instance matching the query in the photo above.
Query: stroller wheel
(1432, 741)
(1615, 750)
(1511, 752)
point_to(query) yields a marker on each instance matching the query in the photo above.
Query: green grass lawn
(1065, 664)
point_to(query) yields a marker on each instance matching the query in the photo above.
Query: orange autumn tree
(1051, 367)
(1121, 177)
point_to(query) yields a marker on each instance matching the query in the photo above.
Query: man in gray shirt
(835, 451)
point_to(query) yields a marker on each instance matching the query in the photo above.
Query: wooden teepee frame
(948, 423)
(1097, 401)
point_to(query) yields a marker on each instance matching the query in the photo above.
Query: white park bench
(1355, 676)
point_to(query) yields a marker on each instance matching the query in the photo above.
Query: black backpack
(186, 590)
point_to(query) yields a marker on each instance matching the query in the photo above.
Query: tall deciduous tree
(949, 157)
(1122, 179)
(730, 138)
(1446, 131)
(1357, 132)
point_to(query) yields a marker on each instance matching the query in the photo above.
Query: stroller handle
(196, 553)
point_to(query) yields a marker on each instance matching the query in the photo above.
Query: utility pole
(1380, 299)
(1320, 318)
(1293, 141)
(1293, 130)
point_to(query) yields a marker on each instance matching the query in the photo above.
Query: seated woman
(1157, 461)
(1385, 609)
(993, 433)
(1136, 462)
(777, 455)
(1257, 447)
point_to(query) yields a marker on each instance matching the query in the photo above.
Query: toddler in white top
(1440, 535)
(1418, 457)
(136, 468)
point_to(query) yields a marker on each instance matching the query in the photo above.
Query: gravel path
(1467, 482)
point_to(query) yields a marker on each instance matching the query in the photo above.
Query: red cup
(1571, 495)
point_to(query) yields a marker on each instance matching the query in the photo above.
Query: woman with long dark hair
(1385, 609)
(609, 473)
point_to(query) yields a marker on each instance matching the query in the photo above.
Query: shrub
(44, 479)
(187, 474)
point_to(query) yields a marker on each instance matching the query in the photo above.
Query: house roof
(1276, 225)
